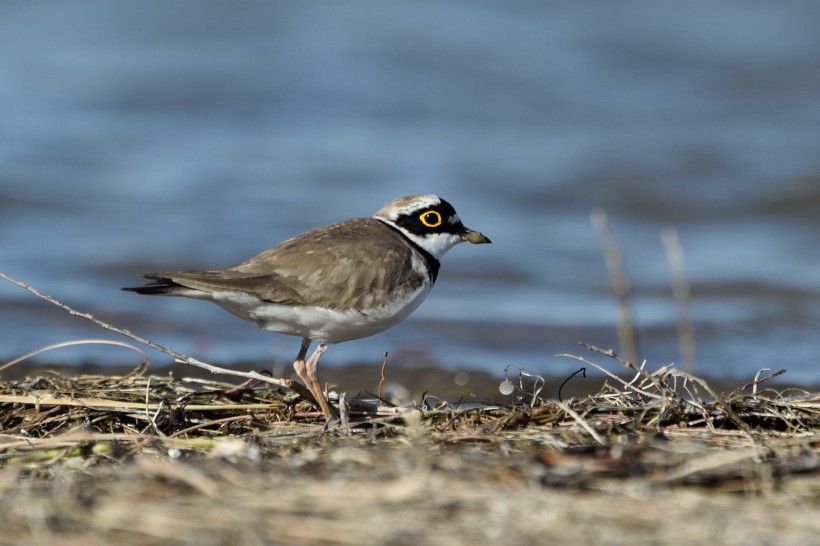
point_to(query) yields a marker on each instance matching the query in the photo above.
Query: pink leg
(307, 373)
(299, 363)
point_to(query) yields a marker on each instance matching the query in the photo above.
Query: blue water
(152, 135)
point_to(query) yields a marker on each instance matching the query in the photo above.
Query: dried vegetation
(659, 457)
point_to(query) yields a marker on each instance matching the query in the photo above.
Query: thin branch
(581, 421)
(627, 364)
(611, 375)
(619, 283)
(680, 290)
(64, 344)
(757, 381)
(177, 356)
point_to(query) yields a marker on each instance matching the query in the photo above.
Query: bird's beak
(475, 237)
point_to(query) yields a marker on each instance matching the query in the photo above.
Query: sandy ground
(350, 491)
(146, 460)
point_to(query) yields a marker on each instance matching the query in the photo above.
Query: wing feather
(352, 264)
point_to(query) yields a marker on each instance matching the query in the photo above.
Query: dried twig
(72, 343)
(611, 375)
(177, 356)
(619, 283)
(580, 420)
(757, 381)
(680, 290)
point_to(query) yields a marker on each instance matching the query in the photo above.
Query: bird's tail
(161, 286)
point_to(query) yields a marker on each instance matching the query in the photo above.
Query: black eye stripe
(415, 223)
(442, 219)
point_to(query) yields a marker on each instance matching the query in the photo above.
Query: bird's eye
(430, 218)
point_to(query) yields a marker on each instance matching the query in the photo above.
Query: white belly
(317, 323)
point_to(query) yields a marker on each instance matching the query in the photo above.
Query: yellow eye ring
(430, 218)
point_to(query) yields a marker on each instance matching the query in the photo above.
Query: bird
(336, 283)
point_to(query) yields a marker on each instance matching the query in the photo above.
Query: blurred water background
(152, 135)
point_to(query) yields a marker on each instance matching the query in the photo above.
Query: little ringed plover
(335, 283)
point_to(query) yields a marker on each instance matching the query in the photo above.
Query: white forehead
(406, 205)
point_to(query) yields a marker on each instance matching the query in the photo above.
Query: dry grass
(659, 457)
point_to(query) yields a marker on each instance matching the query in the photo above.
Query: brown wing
(350, 264)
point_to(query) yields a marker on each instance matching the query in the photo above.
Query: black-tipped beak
(475, 237)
